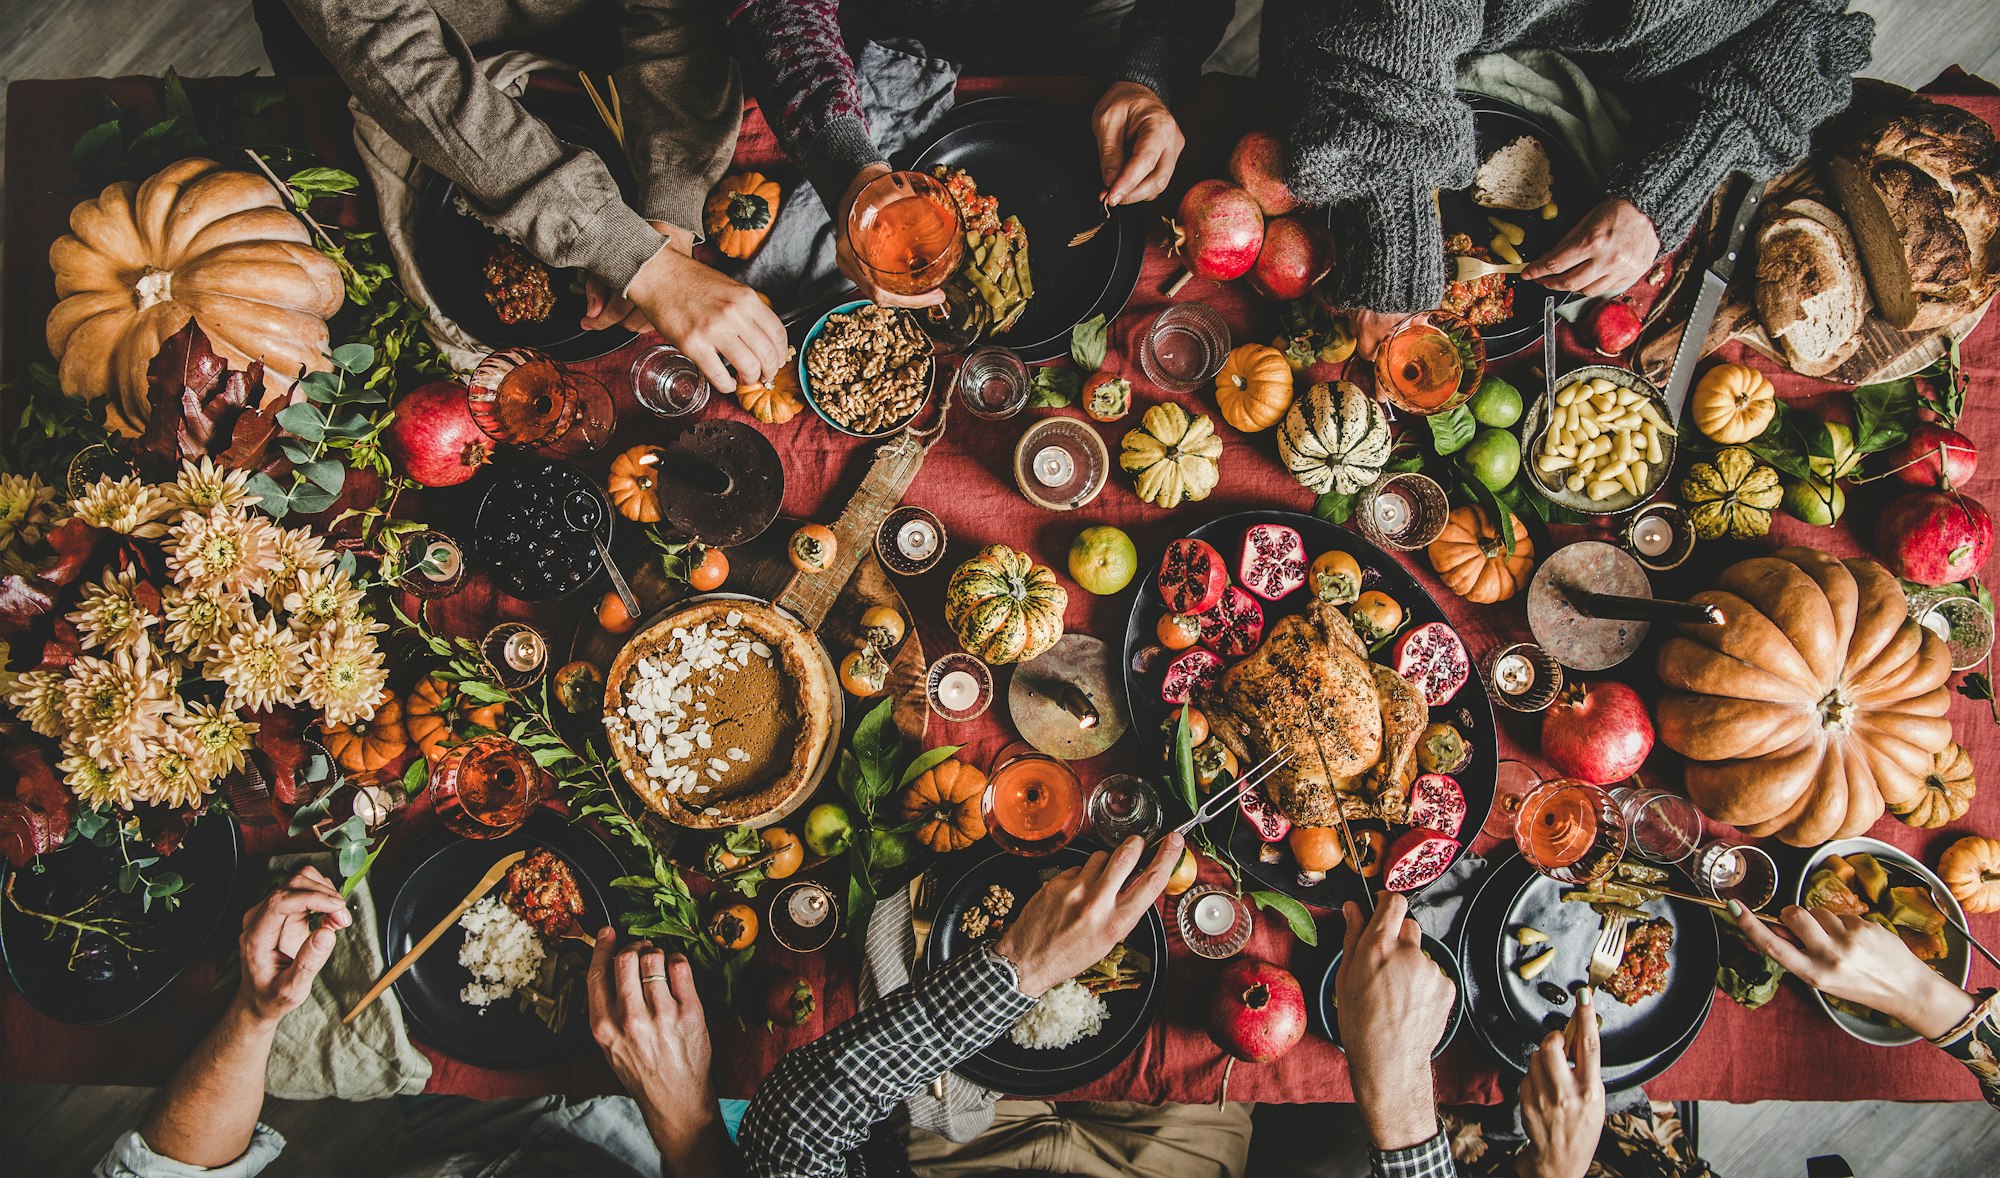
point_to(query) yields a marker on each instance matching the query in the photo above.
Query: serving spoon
(487, 882)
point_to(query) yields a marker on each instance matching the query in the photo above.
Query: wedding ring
(654, 977)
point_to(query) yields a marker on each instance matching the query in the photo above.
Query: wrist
(1934, 1006)
(1399, 1113)
(246, 1020)
(1026, 979)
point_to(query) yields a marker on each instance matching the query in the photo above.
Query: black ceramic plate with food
(1494, 125)
(453, 249)
(107, 983)
(1469, 710)
(1041, 163)
(1033, 1071)
(532, 530)
(1511, 1015)
(500, 1035)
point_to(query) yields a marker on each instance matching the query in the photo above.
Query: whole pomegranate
(1934, 537)
(1614, 327)
(1220, 230)
(1258, 166)
(1917, 461)
(1597, 732)
(433, 438)
(1258, 1012)
(1296, 254)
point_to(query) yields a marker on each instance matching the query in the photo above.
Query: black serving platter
(39, 966)
(532, 529)
(1469, 709)
(1494, 125)
(1029, 1071)
(503, 1036)
(1041, 162)
(452, 247)
(1511, 1017)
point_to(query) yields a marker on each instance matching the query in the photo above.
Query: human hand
(646, 1016)
(1861, 961)
(282, 953)
(1603, 254)
(1562, 1106)
(717, 322)
(1393, 1005)
(604, 307)
(850, 262)
(1078, 916)
(1371, 328)
(1138, 143)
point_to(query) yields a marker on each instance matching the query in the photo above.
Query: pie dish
(720, 713)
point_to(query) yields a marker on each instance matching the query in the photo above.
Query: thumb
(295, 982)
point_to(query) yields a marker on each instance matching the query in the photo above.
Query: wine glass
(1512, 781)
(1033, 804)
(906, 232)
(484, 788)
(1662, 827)
(1570, 831)
(519, 397)
(1430, 363)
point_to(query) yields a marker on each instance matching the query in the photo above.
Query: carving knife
(1713, 282)
(1347, 842)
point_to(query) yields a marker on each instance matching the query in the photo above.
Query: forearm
(1164, 43)
(797, 67)
(207, 1115)
(1392, 251)
(698, 1147)
(682, 103)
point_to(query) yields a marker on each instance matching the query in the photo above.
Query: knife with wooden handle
(1714, 280)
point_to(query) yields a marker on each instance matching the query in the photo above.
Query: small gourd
(1471, 557)
(740, 212)
(945, 802)
(1971, 869)
(1731, 495)
(1334, 438)
(373, 743)
(1254, 388)
(775, 403)
(634, 484)
(1947, 794)
(1172, 456)
(1733, 403)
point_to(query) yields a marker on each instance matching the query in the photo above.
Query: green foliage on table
(870, 769)
(51, 428)
(1451, 430)
(1294, 913)
(1053, 387)
(105, 828)
(1088, 342)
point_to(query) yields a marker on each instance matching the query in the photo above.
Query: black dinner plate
(503, 1036)
(1328, 1008)
(1041, 163)
(1030, 1071)
(1494, 125)
(39, 965)
(1469, 709)
(1510, 1017)
(452, 247)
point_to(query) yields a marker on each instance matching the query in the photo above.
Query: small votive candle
(1652, 535)
(1513, 673)
(524, 650)
(1213, 914)
(807, 907)
(1391, 512)
(957, 690)
(1658, 536)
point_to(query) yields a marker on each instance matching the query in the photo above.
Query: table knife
(1713, 282)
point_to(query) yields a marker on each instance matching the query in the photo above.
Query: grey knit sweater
(1364, 93)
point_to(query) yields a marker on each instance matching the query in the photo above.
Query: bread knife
(1714, 281)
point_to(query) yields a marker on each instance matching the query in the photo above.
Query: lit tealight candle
(1514, 674)
(1054, 466)
(1214, 914)
(917, 540)
(958, 690)
(372, 805)
(524, 650)
(1392, 513)
(1652, 536)
(807, 907)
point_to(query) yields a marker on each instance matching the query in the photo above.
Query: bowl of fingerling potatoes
(1609, 441)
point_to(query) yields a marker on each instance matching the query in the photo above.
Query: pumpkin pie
(720, 713)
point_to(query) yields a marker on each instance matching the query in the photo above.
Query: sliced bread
(1517, 176)
(1810, 291)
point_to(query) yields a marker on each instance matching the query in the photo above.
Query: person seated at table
(1366, 100)
(795, 57)
(1861, 961)
(413, 65)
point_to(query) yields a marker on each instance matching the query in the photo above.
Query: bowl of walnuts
(867, 369)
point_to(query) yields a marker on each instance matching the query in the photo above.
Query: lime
(829, 829)
(1844, 458)
(893, 848)
(1496, 403)
(1494, 457)
(1102, 560)
(1815, 501)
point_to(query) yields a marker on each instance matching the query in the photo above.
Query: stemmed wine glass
(1430, 363)
(1571, 831)
(906, 232)
(523, 397)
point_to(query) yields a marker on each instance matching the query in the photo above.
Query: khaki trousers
(1095, 1140)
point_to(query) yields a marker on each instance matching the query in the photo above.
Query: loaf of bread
(1920, 188)
(1810, 292)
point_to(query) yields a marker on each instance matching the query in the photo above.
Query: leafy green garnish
(1053, 387)
(1088, 342)
(1450, 432)
(1295, 914)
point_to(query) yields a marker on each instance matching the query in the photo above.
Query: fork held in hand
(1610, 949)
(1093, 231)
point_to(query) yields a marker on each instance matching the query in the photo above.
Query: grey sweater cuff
(1148, 59)
(1672, 183)
(832, 154)
(1392, 250)
(678, 201)
(614, 242)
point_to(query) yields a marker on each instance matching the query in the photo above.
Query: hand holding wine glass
(897, 236)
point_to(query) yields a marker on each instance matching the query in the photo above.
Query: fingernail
(1736, 908)
(1586, 995)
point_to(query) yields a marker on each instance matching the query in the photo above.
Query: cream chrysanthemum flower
(204, 488)
(38, 697)
(197, 619)
(8, 679)
(110, 615)
(215, 739)
(227, 549)
(170, 776)
(344, 672)
(298, 551)
(260, 663)
(114, 707)
(25, 513)
(96, 783)
(322, 598)
(127, 506)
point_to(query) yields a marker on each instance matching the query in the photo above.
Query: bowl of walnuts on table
(867, 369)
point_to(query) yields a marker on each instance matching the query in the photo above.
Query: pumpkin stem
(155, 286)
(1836, 712)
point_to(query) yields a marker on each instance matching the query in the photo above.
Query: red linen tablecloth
(1786, 1051)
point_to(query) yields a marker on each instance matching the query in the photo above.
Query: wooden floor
(47, 1129)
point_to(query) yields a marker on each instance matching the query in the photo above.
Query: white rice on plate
(1067, 1014)
(500, 949)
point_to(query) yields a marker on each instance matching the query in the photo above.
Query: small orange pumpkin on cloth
(740, 212)
(1970, 867)
(371, 744)
(1472, 560)
(946, 799)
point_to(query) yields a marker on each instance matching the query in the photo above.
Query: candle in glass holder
(1522, 677)
(910, 541)
(804, 916)
(1213, 914)
(516, 653)
(1652, 535)
(1513, 673)
(958, 690)
(1659, 536)
(959, 686)
(1391, 512)
(1060, 463)
(1213, 921)
(432, 564)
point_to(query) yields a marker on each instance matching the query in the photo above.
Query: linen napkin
(315, 1056)
(1436, 911)
(1555, 89)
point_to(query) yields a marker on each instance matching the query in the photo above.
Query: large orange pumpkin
(373, 743)
(194, 241)
(946, 799)
(1472, 560)
(1817, 703)
(1970, 867)
(1254, 388)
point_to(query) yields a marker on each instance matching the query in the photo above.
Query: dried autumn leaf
(24, 833)
(74, 542)
(281, 738)
(23, 600)
(38, 787)
(198, 401)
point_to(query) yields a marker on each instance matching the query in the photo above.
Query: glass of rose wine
(905, 231)
(1034, 804)
(484, 788)
(1430, 363)
(1571, 832)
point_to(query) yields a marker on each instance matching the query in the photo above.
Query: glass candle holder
(431, 564)
(910, 541)
(1662, 827)
(667, 383)
(1966, 626)
(959, 687)
(1214, 922)
(1060, 464)
(1735, 871)
(1184, 348)
(1522, 677)
(1404, 511)
(1033, 804)
(1658, 535)
(992, 383)
(484, 788)
(804, 916)
(515, 653)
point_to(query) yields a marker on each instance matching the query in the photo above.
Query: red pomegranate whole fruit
(1233, 626)
(1295, 255)
(1273, 564)
(1917, 461)
(433, 438)
(1192, 576)
(1416, 858)
(1220, 230)
(1258, 1012)
(1191, 670)
(1614, 327)
(1258, 166)
(1934, 537)
(1433, 659)
(1598, 732)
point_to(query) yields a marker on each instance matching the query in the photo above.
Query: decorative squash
(1970, 867)
(1947, 793)
(1173, 457)
(1003, 606)
(1472, 560)
(946, 800)
(373, 743)
(1254, 388)
(1334, 438)
(195, 241)
(424, 719)
(740, 212)
(1732, 495)
(1733, 403)
(775, 403)
(1816, 704)
(634, 484)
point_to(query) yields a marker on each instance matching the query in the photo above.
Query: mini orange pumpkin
(1947, 792)
(372, 744)
(423, 717)
(1971, 869)
(740, 212)
(946, 800)
(775, 403)
(634, 484)
(1472, 560)
(1254, 388)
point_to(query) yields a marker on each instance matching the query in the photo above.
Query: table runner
(1788, 1050)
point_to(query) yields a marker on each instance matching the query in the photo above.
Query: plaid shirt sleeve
(1426, 1159)
(823, 1098)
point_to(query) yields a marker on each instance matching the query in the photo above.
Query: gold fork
(1093, 231)
(923, 908)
